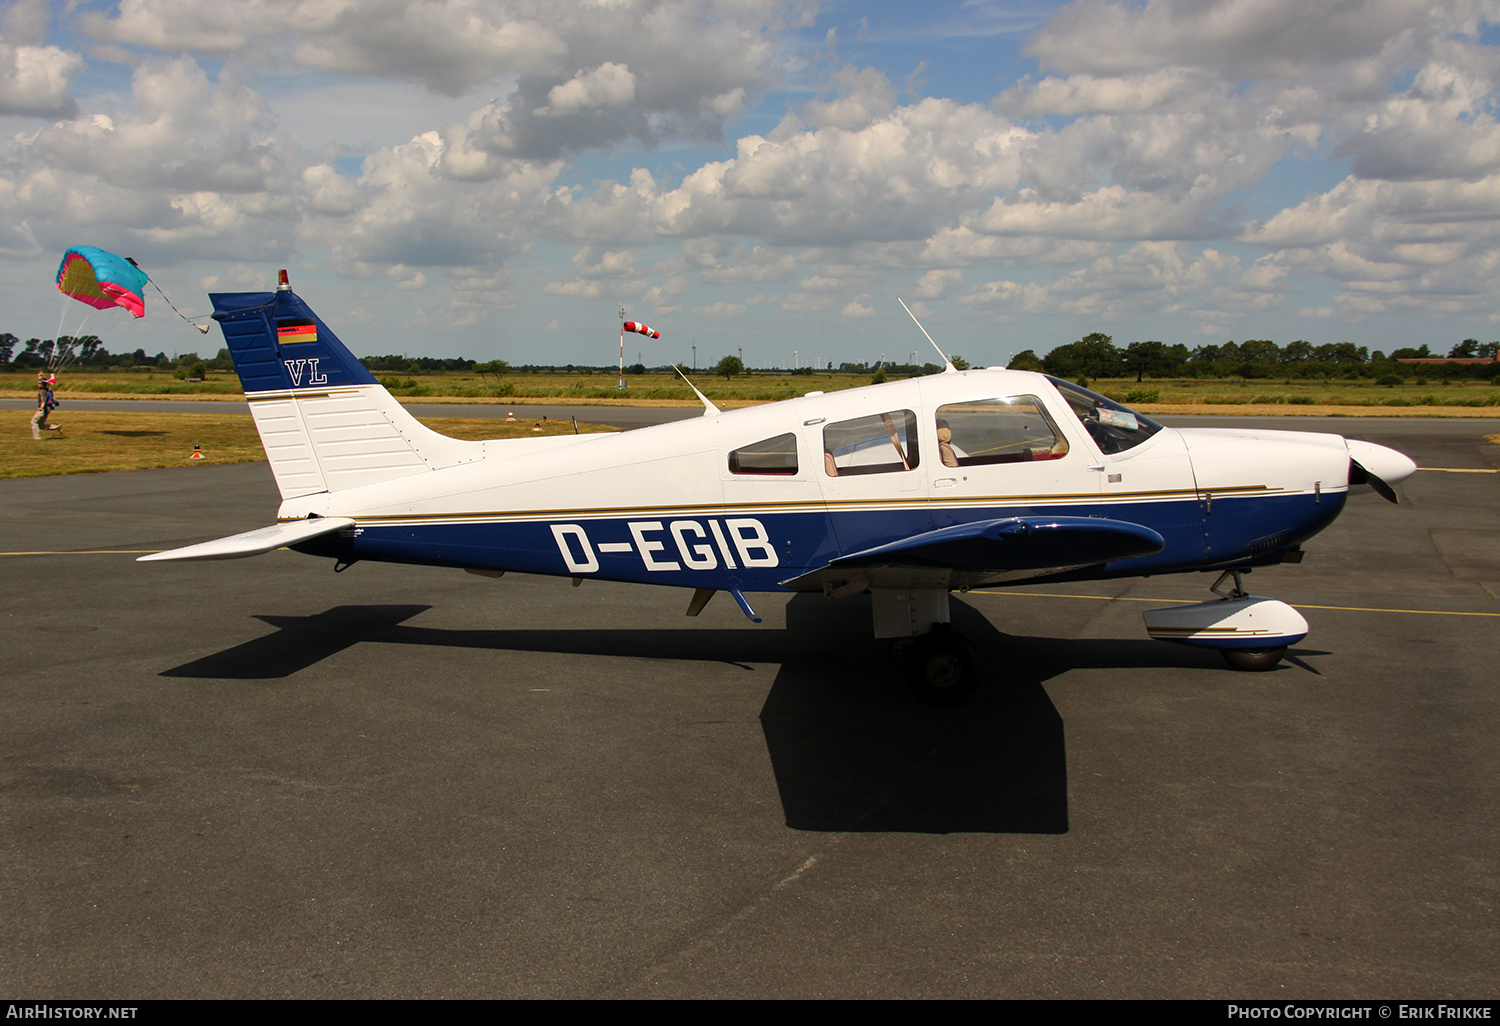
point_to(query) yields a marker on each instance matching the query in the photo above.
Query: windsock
(642, 329)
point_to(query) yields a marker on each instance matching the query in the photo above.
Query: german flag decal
(296, 331)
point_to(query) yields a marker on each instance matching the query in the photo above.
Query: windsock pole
(621, 382)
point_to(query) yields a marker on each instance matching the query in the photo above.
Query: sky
(495, 179)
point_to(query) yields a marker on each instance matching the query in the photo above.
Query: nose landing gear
(1250, 632)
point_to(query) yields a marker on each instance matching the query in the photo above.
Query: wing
(253, 543)
(987, 551)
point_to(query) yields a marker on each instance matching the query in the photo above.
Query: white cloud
(1205, 285)
(864, 95)
(1441, 128)
(859, 309)
(34, 80)
(1240, 38)
(608, 85)
(582, 74)
(1115, 183)
(1392, 246)
(937, 283)
(721, 310)
(1091, 94)
(192, 170)
(902, 176)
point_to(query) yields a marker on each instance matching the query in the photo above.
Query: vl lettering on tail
(294, 369)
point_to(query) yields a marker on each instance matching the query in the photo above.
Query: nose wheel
(1253, 659)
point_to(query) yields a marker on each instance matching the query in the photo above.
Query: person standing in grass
(45, 404)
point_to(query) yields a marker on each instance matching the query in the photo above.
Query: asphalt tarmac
(259, 778)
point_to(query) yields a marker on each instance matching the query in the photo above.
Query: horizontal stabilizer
(253, 543)
(1012, 543)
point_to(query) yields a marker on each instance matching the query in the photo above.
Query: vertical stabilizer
(325, 422)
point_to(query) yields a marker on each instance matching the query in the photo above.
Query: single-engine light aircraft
(907, 490)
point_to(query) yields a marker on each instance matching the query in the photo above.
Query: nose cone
(1378, 466)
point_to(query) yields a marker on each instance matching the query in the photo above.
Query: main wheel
(943, 670)
(900, 652)
(1253, 659)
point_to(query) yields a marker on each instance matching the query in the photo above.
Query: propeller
(1377, 466)
(1359, 475)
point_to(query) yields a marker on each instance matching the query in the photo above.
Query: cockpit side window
(774, 456)
(1010, 430)
(881, 444)
(1113, 427)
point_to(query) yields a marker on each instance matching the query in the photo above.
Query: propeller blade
(1359, 475)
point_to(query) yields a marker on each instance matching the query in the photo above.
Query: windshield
(1113, 427)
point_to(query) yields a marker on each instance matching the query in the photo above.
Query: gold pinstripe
(816, 506)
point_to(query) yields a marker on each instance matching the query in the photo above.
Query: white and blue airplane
(908, 490)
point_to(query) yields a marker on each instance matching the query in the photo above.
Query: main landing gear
(939, 665)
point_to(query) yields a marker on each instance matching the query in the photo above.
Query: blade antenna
(948, 367)
(709, 409)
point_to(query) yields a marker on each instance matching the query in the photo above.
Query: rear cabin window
(774, 456)
(1011, 430)
(884, 443)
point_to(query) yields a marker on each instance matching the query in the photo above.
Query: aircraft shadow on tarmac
(851, 751)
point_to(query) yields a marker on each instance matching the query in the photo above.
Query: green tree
(1300, 351)
(1149, 359)
(1260, 350)
(730, 366)
(1093, 356)
(89, 348)
(1025, 360)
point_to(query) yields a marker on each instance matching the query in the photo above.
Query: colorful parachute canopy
(101, 279)
(642, 329)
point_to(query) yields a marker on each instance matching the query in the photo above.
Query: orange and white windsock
(642, 329)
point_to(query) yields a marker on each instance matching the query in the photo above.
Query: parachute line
(201, 327)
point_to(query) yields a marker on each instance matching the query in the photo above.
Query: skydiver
(45, 404)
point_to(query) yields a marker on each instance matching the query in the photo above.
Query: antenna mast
(947, 363)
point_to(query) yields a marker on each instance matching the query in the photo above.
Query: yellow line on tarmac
(1460, 470)
(1294, 605)
(1423, 612)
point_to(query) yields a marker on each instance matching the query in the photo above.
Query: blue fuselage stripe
(757, 551)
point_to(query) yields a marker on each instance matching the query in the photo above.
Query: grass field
(91, 442)
(652, 389)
